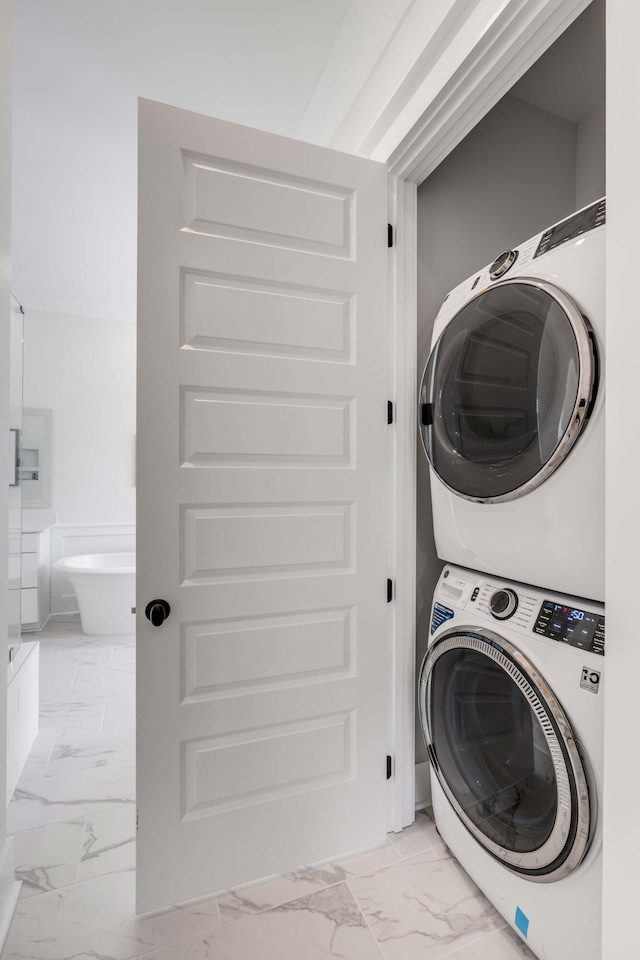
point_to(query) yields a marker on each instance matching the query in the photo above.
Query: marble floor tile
(48, 858)
(58, 719)
(105, 676)
(116, 692)
(55, 799)
(254, 898)
(119, 718)
(59, 629)
(56, 678)
(36, 765)
(47, 644)
(323, 925)
(502, 945)
(82, 718)
(420, 835)
(125, 657)
(109, 843)
(425, 907)
(57, 694)
(118, 699)
(85, 650)
(71, 754)
(95, 919)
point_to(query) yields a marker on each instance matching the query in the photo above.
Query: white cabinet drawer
(15, 572)
(29, 605)
(30, 542)
(29, 570)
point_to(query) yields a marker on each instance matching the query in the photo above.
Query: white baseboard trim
(64, 618)
(423, 785)
(9, 889)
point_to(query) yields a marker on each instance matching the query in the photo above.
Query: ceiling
(79, 66)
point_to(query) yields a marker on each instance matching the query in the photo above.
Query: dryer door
(507, 390)
(504, 753)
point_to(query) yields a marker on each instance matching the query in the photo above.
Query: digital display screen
(594, 216)
(576, 624)
(572, 625)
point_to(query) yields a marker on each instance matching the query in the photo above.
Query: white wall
(513, 175)
(79, 67)
(622, 717)
(84, 371)
(590, 158)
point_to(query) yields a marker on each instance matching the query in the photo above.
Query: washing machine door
(504, 754)
(508, 387)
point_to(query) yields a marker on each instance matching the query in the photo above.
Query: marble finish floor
(73, 816)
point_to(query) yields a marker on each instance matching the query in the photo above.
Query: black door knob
(157, 611)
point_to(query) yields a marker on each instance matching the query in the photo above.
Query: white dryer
(512, 412)
(511, 707)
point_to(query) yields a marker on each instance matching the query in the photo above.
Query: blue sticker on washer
(522, 922)
(440, 615)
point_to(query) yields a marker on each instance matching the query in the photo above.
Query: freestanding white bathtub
(105, 586)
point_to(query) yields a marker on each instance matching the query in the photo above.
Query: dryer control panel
(572, 625)
(571, 228)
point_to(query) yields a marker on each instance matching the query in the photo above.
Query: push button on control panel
(579, 628)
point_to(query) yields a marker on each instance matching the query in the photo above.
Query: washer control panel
(516, 607)
(503, 604)
(579, 628)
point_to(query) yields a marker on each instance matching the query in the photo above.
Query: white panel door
(262, 514)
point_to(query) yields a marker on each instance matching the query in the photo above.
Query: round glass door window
(507, 389)
(504, 754)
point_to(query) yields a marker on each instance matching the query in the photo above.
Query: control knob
(503, 604)
(502, 263)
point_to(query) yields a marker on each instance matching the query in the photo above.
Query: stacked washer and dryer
(510, 690)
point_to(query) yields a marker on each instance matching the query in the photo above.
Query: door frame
(430, 117)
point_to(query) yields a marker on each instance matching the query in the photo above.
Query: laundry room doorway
(536, 157)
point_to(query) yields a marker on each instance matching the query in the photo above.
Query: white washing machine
(511, 706)
(512, 412)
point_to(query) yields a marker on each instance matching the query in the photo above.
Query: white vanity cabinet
(35, 594)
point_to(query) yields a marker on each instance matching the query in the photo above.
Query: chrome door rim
(544, 705)
(586, 382)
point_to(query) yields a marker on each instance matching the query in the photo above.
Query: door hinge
(137, 820)
(389, 591)
(389, 767)
(389, 235)
(389, 411)
(426, 414)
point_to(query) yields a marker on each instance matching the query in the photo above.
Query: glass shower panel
(15, 477)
